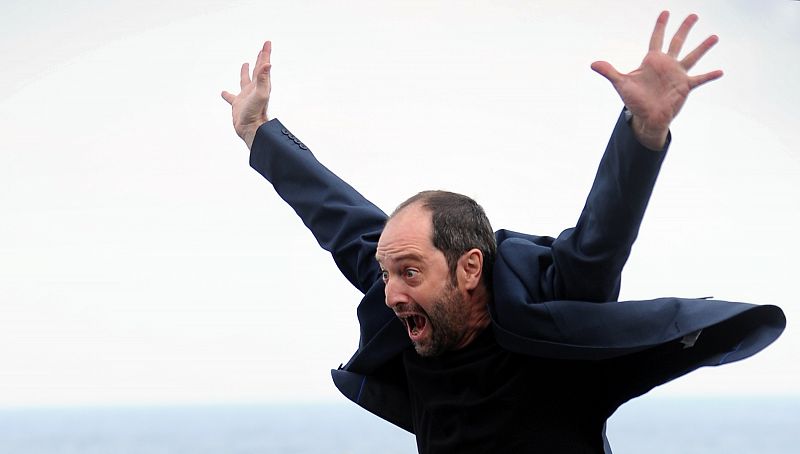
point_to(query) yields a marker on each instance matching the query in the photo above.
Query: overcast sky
(142, 260)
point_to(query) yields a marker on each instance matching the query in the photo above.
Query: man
(506, 342)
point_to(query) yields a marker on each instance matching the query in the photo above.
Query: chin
(423, 351)
(427, 350)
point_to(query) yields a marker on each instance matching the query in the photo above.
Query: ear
(470, 267)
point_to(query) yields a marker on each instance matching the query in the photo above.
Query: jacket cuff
(270, 145)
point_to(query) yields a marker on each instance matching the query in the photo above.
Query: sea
(653, 426)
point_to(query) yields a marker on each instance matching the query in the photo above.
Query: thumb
(228, 97)
(605, 69)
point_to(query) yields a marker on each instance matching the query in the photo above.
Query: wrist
(248, 133)
(653, 137)
(249, 136)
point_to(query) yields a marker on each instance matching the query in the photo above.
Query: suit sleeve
(588, 259)
(342, 220)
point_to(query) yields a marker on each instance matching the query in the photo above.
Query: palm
(656, 91)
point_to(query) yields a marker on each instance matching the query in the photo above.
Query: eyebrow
(402, 256)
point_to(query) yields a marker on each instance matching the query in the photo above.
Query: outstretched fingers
(695, 55)
(680, 36)
(696, 81)
(263, 66)
(263, 55)
(261, 76)
(228, 97)
(266, 51)
(657, 38)
(244, 75)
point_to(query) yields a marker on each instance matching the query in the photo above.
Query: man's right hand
(249, 107)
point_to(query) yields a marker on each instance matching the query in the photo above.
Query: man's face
(418, 284)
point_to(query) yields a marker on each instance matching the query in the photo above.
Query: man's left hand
(655, 92)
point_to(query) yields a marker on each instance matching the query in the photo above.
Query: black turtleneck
(484, 399)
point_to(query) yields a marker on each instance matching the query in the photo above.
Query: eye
(384, 275)
(410, 273)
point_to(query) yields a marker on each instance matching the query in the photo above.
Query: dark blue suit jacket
(553, 298)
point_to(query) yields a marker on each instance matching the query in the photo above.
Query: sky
(143, 261)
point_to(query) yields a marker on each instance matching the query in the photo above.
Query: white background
(143, 261)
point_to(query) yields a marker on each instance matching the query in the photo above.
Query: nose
(395, 293)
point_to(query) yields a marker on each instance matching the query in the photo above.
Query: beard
(447, 319)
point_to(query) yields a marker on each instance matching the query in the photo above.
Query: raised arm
(343, 222)
(589, 258)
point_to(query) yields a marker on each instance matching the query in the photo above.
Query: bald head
(457, 225)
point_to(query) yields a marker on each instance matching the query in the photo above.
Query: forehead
(408, 232)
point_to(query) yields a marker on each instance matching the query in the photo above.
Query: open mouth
(415, 324)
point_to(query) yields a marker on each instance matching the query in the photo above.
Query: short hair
(459, 224)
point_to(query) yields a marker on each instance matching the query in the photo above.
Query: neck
(478, 318)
